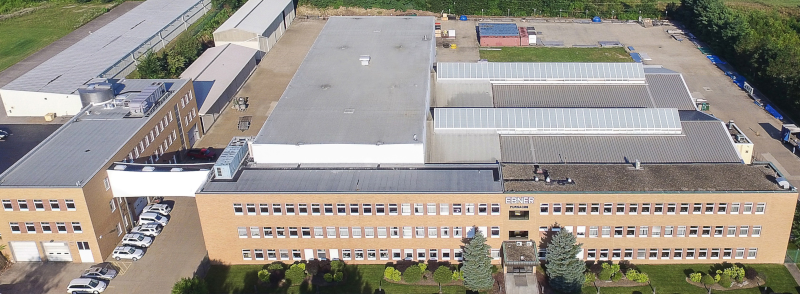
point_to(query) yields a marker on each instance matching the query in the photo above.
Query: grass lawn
(358, 279)
(546, 54)
(669, 279)
(23, 35)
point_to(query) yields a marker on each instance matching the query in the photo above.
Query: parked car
(137, 239)
(83, 285)
(99, 273)
(150, 230)
(201, 153)
(127, 252)
(3, 135)
(162, 209)
(152, 217)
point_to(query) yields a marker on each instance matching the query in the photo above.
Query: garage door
(25, 251)
(57, 251)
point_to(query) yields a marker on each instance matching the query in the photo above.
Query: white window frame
(497, 206)
(431, 209)
(356, 232)
(761, 206)
(241, 208)
(756, 232)
(444, 209)
(369, 232)
(242, 232)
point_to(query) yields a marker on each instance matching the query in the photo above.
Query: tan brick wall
(223, 243)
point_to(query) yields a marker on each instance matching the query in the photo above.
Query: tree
(263, 275)
(190, 286)
(412, 274)
(152, 66)
(391, 274)
(564, 270)
(442, 275)
(708, 280)
(477, 264)
(337, 266)
(296, 274)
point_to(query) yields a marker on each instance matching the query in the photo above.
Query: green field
(669, 279)
(536, 54)
(23, 35)
(358, 279)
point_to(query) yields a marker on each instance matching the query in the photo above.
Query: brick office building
(373, 163)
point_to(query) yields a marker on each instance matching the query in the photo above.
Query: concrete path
(792, 267)
(54, 48)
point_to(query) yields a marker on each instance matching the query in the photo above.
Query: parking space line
(122, 266)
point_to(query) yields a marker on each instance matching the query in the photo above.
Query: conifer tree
(477, 264)
(564, 269)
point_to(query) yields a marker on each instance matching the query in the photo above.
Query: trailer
(789, 136)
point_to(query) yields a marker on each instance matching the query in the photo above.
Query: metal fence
(128, 64)
(792, 255)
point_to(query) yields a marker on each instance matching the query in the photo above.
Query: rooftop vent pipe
(364, 59)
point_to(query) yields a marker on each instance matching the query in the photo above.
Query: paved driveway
(39, 277)
(177, 252)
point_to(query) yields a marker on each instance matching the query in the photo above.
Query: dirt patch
(746, 284)
(307, 10)
(22, 12)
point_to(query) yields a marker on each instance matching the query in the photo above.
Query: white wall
(339, 153)
(252, 43)
(156, 183)
(24, 103)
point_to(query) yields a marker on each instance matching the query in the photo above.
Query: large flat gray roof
(382, 180)
(91, 56)
(255, 16)
(333, 99)
(80, 148)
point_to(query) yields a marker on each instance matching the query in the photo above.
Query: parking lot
(21, 139)
(179, 251)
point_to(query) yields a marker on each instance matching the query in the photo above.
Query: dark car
(3, 135)
(204, 153)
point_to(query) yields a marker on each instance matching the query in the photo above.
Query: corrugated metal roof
(560, 121)
(483, 180)
(80, 148)
(463, 94)
(657, 69)
(333, 99)
(498, 29)
(669, 91)
(89, 57)
(218, 66)
(702, 142)
(612, 96)
(255, 16)
(542, 71)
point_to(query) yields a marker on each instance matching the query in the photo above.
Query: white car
(137, 239)
(99, 273)
(127, 252)
(162, 209)
(86, 286)
(151, 230)
(152, 217)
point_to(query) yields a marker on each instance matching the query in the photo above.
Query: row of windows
(651, 208)
(38, 205)
(163, 147)
(44, 227)
(358, 254)
(366, 209)
(671, 253)
(192, 114)
(365, 232)
(664, 231)
(186, 98)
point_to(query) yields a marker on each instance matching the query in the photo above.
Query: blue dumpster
(463, 18)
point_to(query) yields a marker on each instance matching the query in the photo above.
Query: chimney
(364, 59)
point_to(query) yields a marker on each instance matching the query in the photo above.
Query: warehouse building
(57, 199)
(52, 86)
(218, 74)
(258, 24)
(617, 154)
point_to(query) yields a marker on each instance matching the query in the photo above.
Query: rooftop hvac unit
(529, 243)
(231, 158)
(519, 243)
(148, 168)
(176, 169)
(142, 102)
(120, 167)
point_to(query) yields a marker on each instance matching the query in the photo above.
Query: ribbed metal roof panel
(542, 71)
(669, 90)
(567, 96)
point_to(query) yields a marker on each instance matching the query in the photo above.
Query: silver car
(86, 286)
(99, 273)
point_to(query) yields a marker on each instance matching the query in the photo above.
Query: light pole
(509, 13)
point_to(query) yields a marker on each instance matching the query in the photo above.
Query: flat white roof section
(560, 121)
(542, 72)
(336, 110)
(255, 16)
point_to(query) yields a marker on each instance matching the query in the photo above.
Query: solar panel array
(543, 71)
(560, 121)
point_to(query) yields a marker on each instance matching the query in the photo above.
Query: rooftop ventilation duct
(364, 59)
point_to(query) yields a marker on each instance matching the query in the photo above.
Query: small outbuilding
(499, 35)
(258, 24)
(218, 75)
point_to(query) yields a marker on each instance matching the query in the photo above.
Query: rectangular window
(306, 231)
(580, 231)
(706, 231)
(255, 232)
(445, 254)
(718, 231)
(731, 231)
(630, 231)
(284, 254)
(276, 209)
(371, 254)
(319, 232)
(659, 208)
(445, 232)
(693, 231)
(366, 208)
(709, 208)
(727, 253)
(432, 232)
(242, 232)
(444, 209)
(237, 209)
(61, 227)
(618, 232)
(656, 231)
(271, 254)
(743, 231)
(302, 208)
(748, 208)
(645, 208)
(251, 209)
(569, 208)
(381, 232)
(681, 231)
(643, 231)
(111, 203)
(607, 208)
(677, 253)
(628, 253)
(246, 254)
(369, 232)
(328, 209)
(280, 232)
(722, 208)
(470, 209)
(31, 228)
(756, 231)
(407, 232)
(331, 232)
(557, 208)
(698, 207)
(396, 254)
(392, 209)
(46, 227)
(595, 208)
(606, 231)
(356, 232)
(289, 209)
(496, 208)
(344, 232)
(420, 254)
(739, 253)
(53, 205)
(668, 231)
(633, 208)
(620, 208)
(267, 232)
(482, 209)
(684, 208)
(384, 254)
(15, 228)
(431, 209)
(715, 253)
(259, 254)
(293, 232)
(456, 208)
(641, 253)
(341, 209)
(702, 253)
(495, 232)
(734, 208)
(544, 208)
(353, 209)
(582, 208)
(457, 233)
(653, 253)
(23, 205)
(665, 253)
(603, 254)
(593, 232)
(315, 209)
(591, 254)
(760, 207)
(420, 232)
(405, 209)
(39, 205)
(671, 208)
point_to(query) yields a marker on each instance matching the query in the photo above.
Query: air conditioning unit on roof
(519, 243)
(530, 243)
